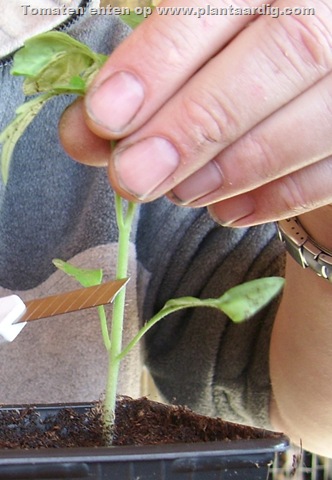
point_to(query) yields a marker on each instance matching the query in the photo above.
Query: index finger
(158, 58)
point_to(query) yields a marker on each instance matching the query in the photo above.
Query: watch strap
(304, 249)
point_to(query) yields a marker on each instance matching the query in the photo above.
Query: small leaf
(77, 82)
(238, 303)
(12, 133)
(245, 300)
(86, 277)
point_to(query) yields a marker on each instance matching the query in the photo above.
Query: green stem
(104, 327)
(124, 220)
(155, 319)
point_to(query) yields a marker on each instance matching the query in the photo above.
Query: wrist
(318, 225)
(308, 249)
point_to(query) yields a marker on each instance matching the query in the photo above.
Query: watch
(304, 249)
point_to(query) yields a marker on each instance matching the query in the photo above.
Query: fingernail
(206, 180)
(233, 212)
(142, 167)
(115, 102)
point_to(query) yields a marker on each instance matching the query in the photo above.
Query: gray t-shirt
(53, 207)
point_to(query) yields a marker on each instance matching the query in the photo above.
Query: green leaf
(238, 303)
(245, 300)
(12, 133)
(50, 61)
(77, 82)
(58, 73)
(40, 50)
(86, 277)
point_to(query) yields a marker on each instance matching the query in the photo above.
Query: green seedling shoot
(53, 64)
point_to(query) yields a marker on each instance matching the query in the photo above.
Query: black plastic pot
(240, 459)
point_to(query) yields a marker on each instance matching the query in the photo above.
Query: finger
(292, 195)
(295, 136)
(244, 84)
(154, 61)
(78, 140)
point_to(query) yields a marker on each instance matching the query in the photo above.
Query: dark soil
(138, 422)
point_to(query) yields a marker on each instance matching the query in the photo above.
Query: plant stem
(104, 327)
(155, 319)
(124, 220)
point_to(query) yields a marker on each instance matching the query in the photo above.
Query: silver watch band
(304, 249)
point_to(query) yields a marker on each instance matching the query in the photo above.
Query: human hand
(231, 111)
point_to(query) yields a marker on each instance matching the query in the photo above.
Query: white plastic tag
(12, 309)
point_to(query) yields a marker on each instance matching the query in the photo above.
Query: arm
(301, 349)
